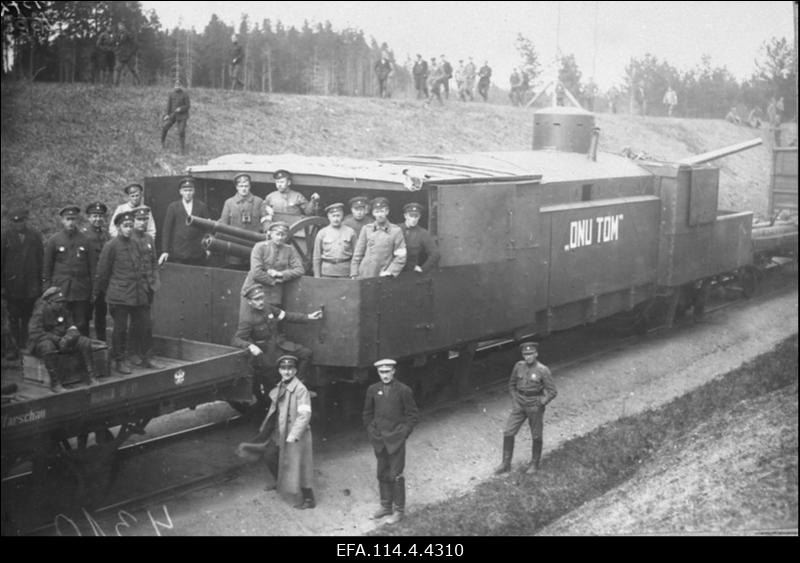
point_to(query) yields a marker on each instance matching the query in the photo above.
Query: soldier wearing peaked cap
(389, 416)
(69, 265)
(381, 248)
(180, 242)
(258, 332)
(286, 204)
(333, 246)
(22, 255)
(359, 214)
(97, 233)
(422, 250)
(285, 436)
(52, 331)
(531, 387)
(142, 341)
(135, 193)
(177, 111)
(243, 210)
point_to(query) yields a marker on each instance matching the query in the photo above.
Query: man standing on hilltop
(178, 105)
(237, 63)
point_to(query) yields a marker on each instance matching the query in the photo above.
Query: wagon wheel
(302, 235)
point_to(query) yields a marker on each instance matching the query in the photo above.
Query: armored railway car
(531, 242)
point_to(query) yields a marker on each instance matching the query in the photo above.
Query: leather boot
(386, 500)
(508, 453)
(536, 457)
(399, 501)
(51, 364)
(91, 373)
(308, 499)
(121, 367)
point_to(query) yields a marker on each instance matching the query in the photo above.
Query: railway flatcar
(531, 242)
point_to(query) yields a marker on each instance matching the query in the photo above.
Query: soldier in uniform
(52, 332)
(359, 214)
(124, 279)
(273, 263)
(285, 436)
(178, 105)
(237, 65)
(389, 416)
(125, 54)
(244, 210)
(180, 242)
(135, 193)
(381, 248)
(285, 204)
(469, 79)
(334, 245)
(531, 387)
(143, 342)
(484, 80)
(422, 253)
(68, 265)
(258, 332)
(98, 236)
(22, 256)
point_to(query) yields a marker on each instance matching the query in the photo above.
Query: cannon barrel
(210, 226)
(216, 246)
(719, 153)
(237, 240)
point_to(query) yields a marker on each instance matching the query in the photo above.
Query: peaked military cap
(278, 174)
(141, 211)
(96, 207)
(359, 201)
(187, 182)
(279, 225)
(387, 362)
(124, 216)
(70, 211)
(527, 347)
(53, 293)
(255, 291)
(240, 174)
(380, 202)
(287, 360)
(335, 207)
(413, 206)
(131, 187)
(18, 215)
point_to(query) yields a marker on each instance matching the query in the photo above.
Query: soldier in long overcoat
(22, 256)
(285, 436)
(68, 265)
(381, 248)
(389, 416)
(97, 233)
(143, 341)
(531, 387)
(123, 275)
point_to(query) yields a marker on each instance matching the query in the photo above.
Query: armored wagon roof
(392, 173)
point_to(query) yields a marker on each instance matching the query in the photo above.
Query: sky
(603, 35)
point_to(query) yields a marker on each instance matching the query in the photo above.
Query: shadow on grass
(587, 466)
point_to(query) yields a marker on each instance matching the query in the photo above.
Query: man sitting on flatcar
(381, 248)
(52, 332)
(258, 332)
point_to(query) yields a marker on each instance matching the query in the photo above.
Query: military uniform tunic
(421, 249)
(244, 213)
(531, 388)
(68, 264)
(357, 225)
(268, 255)
(379, 249)
(97, 240)
(288, 206)
(333, 251)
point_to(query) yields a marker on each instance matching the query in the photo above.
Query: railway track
(491, 361)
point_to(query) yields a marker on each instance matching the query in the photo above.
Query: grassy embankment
(64, 143)
(585, 467)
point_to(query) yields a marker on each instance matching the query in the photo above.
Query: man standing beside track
(389, 416)
(531, 387)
